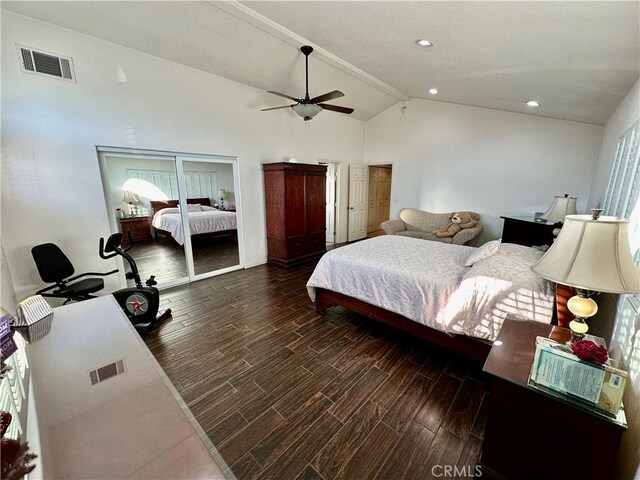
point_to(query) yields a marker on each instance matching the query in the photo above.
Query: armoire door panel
(274, 203)
(315, 204)
(316, 243)
(294, 206)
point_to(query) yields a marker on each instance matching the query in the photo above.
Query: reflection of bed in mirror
(204, 220)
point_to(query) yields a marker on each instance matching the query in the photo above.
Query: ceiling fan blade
(336, 108)
(283, 95)
(276, 108)
(327, 96)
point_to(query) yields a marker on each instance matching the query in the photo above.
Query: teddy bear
(459, 220)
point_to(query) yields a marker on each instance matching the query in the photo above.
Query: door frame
(386, 164)
(178, 157)
(338, 203)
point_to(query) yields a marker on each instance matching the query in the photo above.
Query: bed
(424, 288)
(204, 220)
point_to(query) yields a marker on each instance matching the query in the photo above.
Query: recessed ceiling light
(424, 43)
(433, 91)
(532, 103)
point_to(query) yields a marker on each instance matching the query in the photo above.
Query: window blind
(622, 198)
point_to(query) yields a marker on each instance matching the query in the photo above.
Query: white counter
(132, 425)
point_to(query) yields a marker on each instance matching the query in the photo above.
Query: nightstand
(526, 231)
(531, 434)
(139, 228)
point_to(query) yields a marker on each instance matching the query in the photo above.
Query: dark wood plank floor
(286, 394)
(165, 259)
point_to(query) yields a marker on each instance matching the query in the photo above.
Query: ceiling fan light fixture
(307, 110)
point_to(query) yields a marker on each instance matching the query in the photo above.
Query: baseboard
(255, 264)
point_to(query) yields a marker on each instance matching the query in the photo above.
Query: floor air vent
(106, 372)
(44, 63)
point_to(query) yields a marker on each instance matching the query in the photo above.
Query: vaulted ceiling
(577, 59)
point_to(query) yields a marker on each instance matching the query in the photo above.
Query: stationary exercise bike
(139, 303)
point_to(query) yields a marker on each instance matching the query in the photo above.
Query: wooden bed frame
(473, 348)
(157, 205)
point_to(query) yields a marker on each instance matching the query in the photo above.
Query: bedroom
(130, 99)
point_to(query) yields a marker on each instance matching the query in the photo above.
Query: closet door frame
(178, 158)
(182, 188)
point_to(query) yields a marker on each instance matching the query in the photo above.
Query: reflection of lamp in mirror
(221, 194)
(591, 254)
(560, 208)
(132, 200)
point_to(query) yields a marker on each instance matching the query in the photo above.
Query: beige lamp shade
(591, 255)
(130, 197)
(560, 207)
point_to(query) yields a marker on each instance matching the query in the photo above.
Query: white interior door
(331, 203)
(358, 188)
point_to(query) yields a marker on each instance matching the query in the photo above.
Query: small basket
(34, 319)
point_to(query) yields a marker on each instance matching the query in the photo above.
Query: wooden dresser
(139, 228)
(295, 209)
(526, 231)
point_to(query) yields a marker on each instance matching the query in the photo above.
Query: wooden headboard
(157, 205)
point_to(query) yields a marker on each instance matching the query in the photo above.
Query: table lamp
(133, 201)
(592, 255)
(221, 194)
(560, 208)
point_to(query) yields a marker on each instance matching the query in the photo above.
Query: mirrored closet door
(145, 194)
(213, 214)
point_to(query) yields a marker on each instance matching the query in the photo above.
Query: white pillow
(483, 252)
(193, 207)
(207, 207)
(168, 210)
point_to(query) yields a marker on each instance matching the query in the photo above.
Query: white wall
(625, 341)
(51, 187)
(450, 157)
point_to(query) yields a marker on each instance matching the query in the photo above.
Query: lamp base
(582, 307)
(579, 328)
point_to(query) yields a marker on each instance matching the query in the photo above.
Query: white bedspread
(427, 282)
(207, 221)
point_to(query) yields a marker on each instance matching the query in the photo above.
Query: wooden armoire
(295, 208)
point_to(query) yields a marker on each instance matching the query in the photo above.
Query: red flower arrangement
(590, 352)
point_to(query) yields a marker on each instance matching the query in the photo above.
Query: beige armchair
(421, 224)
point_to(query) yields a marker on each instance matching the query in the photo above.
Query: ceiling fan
(307, 107)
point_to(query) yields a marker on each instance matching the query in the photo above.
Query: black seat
(54, 267)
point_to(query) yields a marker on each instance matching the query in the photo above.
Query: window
(622, 198)
(624, 184)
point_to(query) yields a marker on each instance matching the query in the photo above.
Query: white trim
(256, 19)
(128, 152)
(255, 264)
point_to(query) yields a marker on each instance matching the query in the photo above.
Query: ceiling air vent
(45, 63)
(106, 372)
